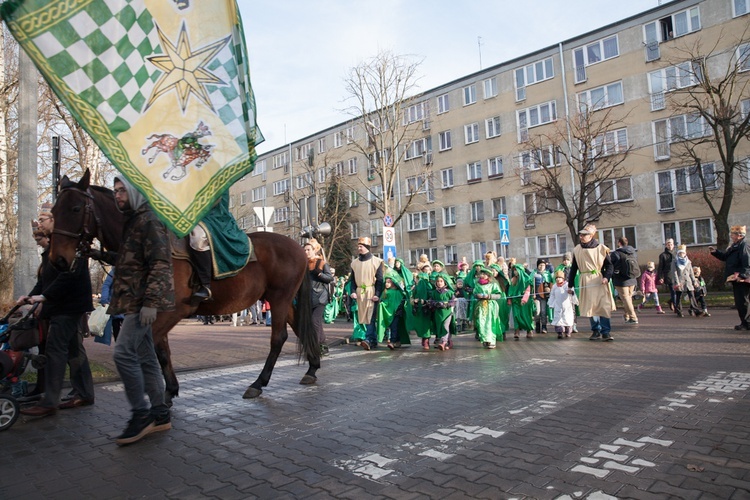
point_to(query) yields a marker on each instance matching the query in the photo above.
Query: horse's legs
(278, 337)
(164, 355)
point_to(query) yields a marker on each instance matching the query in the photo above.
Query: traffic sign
(388, 220)
(389, 242)
(504, 226)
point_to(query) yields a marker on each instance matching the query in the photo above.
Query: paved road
(662, 412)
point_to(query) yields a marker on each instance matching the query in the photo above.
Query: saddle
(180, 251)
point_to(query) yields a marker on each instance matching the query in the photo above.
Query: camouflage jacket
(143, 268)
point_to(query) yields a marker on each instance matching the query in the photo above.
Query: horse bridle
(85, 237)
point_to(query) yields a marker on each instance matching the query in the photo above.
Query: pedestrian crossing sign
(504, 226)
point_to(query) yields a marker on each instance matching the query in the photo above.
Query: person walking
(664, 270)
(625, 277)
(367, 283)
(142, 286)
(737, 272)
(65, 298)
(592, 263)
(683, 281)
(321, 276)
(648, 287)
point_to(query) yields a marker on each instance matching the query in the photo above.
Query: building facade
(480, 142)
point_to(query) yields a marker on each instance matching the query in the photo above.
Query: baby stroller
(16, 337)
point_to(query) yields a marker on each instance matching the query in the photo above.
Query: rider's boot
(202, 261)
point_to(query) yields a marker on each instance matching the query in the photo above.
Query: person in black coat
(664, 270)
(737, 272)
(321, 276)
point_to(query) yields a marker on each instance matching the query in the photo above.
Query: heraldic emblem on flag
(162, 86)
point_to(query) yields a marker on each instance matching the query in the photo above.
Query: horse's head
(75, 222)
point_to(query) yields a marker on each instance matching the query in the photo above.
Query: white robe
(563, 304)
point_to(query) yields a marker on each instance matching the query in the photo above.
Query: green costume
(390, 308)
(333, 308)
(503, 306)
(486, 309)
(469, 283)
(358, 334)
(230, 246)
(442, 300)
(419, 299)
(523, 314)
(401, 268)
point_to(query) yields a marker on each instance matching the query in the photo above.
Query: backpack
(628, 267)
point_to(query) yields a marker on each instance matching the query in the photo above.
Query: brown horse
(83, 212)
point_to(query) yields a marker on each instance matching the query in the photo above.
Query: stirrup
(202, 294)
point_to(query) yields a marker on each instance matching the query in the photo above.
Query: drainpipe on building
(567, 121)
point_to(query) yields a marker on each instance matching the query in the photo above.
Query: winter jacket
(683, 275)
(648, 282)
(618, 258)
(64, 292)
(664, 268)
(320, 276)
(143, 269)
(736, 258)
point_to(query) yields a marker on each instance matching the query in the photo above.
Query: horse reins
(85, 237)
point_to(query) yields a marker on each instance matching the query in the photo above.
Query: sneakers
(607, 338)
(640, 307)
(162, 422)
(705, 314)
(365, 345)
(489, 345)
(659, 310)
(595, 336)
(632, 321)
(138, 427)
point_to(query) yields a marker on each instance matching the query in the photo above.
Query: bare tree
(707, 92)
(388, 118)
(577, 169)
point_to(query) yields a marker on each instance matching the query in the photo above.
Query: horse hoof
(308, 380)
(251, 393)
(168, 400)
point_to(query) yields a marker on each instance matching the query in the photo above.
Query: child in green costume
(486, 310)
(420, 296)
(390, 320)
(519, 292)
(443, 300)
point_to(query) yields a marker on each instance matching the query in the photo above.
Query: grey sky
(301, 50)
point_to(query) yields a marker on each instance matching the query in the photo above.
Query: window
(321, 175)
(612, 142)
(478, 249)
(471, 133)
(595, 52)
(338, 168)
(614, 190)
(671, 78)
(532, 73)
(260, 168)
(535, 116)
(418, 221)
(600, 97)
(353, 199)
(445, 140)
(354, 230)
(243, 197)
(744, 108)
(281, 214)
(449, 216)
(689, 232)
(443, 103)
(498, 207)
(450, 256)
(259, 193)
(376, 227)
(477, 211)
(337, 140)
(676, 129)
(303, 180)
(322, 145)
(679, 24)
(414, 113)
(492, 126)
(431, 253)
(743, 57)
(281, 160)
(470, 95)
(415, 184)
(546, 157)
(495, 167)
(474, 171)
(683, 180)
(490, 87)
(373, 195)
(304, 152)
(741, 7)
(609, 236)
(352, 166)
(281, 187)
(242, 223)
(446, 175)
(550, 245)
(350, 134)
(418, 148)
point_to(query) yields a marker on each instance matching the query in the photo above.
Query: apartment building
(479, 144)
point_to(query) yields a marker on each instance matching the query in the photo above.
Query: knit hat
(541, 261)
(738, 230)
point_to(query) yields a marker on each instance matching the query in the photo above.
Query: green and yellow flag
(162, 86)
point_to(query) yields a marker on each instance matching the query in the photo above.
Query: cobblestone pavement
(661, 412)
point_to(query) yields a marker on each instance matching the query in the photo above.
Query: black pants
(317, 321)
(678, 301)
(65, 346)
(742, 301)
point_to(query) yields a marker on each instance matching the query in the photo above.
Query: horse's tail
(308, 340)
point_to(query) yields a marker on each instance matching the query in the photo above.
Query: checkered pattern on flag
(162, 86)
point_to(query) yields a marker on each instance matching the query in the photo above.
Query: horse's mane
(101, 189)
